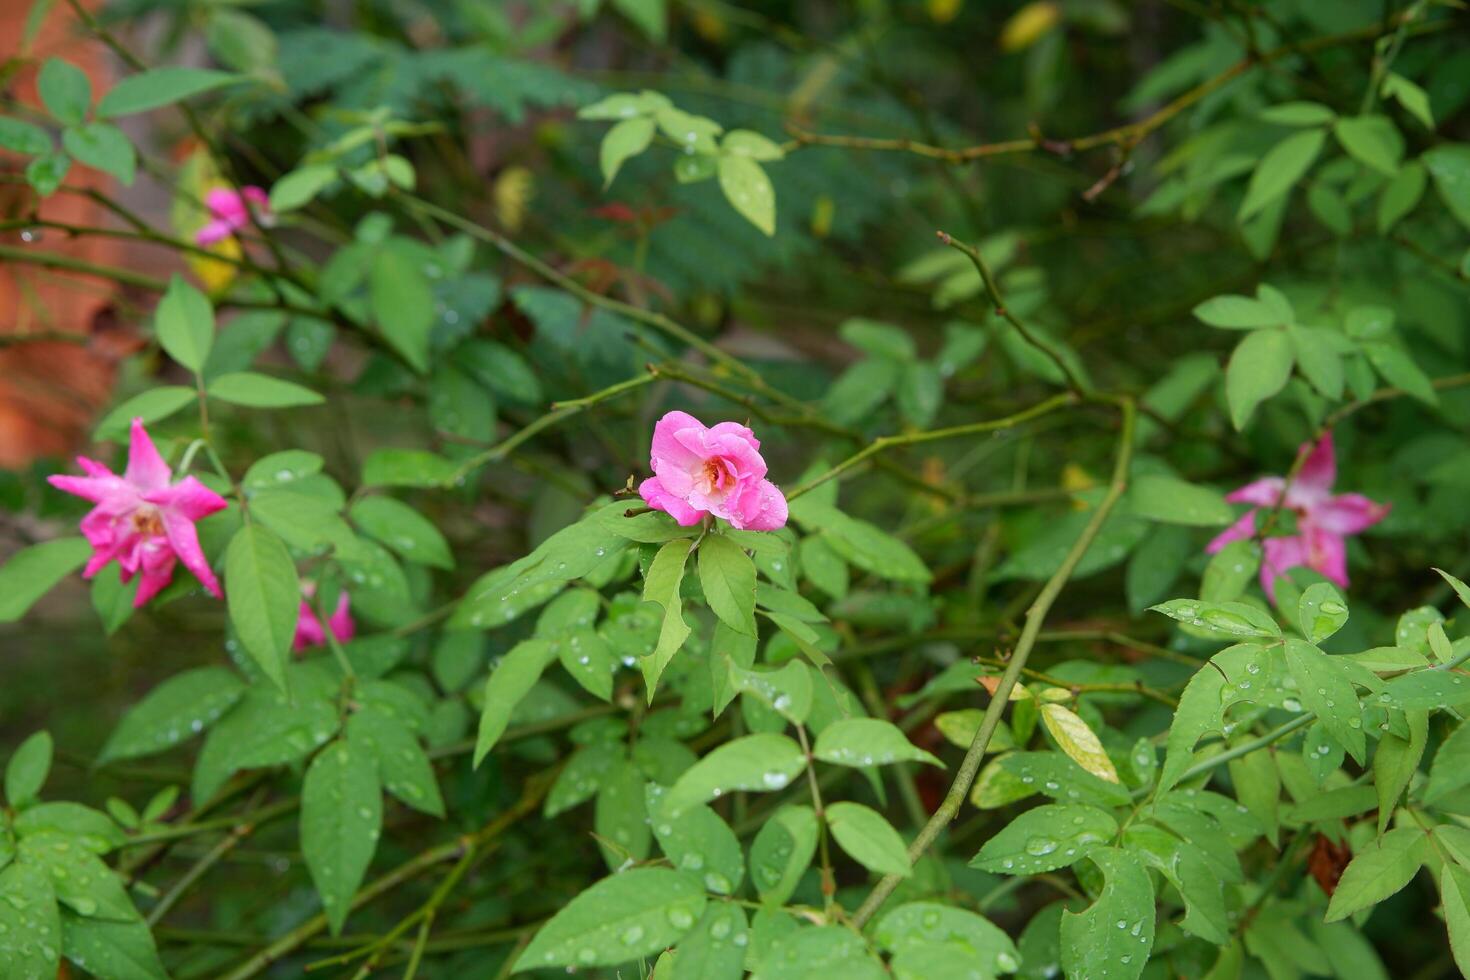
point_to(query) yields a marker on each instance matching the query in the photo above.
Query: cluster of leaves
(863, 742)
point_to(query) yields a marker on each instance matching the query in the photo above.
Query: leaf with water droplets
(403, 766)
(30, 925)
(755, 763)
(1058, 777)
(1046, 838)
(782, 851)
(620, 817)
(868, 742)
(82, 882)
(264, 597)
(111, 950)
(787, 691)
(509, 681)
(715, 950)
(1425, 689)
(90, 828)
(582, 776)
(1321, 611)
(1327, 692)
(826, 951)
(1078, 741)
(267, 728)
(402, 529)
(1113, 936)
(175, 711)
(870, 839)
(589, 658)
(341, 819)
(1170, 500)
(1189, 871)
(1224, 618)
(698, 842)
(931, 925)
(624, 917)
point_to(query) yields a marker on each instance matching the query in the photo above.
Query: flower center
(147, 522)
(716, 475)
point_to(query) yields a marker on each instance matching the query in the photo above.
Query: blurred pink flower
(309, 631)
(143, 520)
(231, 212)
(1323, 521)
(719, 471)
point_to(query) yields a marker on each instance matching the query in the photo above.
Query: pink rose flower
(719, 471)
(309, 631)
(1323, 521)
(231, 212)
(143, 520)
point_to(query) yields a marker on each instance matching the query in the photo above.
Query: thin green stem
(1035, 616)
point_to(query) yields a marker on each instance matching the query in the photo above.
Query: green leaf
(1409, 95)
(868, 742)
(46, 172)
(23, 137)
(1321, 611)
(151, 406)
(1318, 359)
(509, 681)
(1450, 770)
(402, 304)
(341, 818)
(402, 529)
(649, 16)
(1454, 890)
(624, 917)
(582, 776)
(1325, 689)
(1395, 762)
(64, 90)
(1258, 369)
(269, 728)
(782, 851)
(160, 87)
(787, 691)
(26, 772)
(91, 829)
(1227, 618)
(1298, 114)
(699, 842)
(826, 951)
(1059, 777)
(715, 950)
(261, 391)
(29, 911)
(1170, 500)
(1399, 370)
(1449, 165)
(1231, 569)
(860, 543)
(1094, 944)
(1401, 195)
(301, 186)
(184, 324)
(109, 949)
(82, 882)
(174, 711)
(868, 838)
(1379, 869)
(1425, 689)
(104, 147)
(403, 766)
(661, 586)
(32, 572)
(749, 191)
(755, 763)
(1239, 313)
(1373, 141)
(1279, 170)
(407, 468)
(625, 140)
(986, 948)
(264, 597)
(1046, 838)
(727, 576)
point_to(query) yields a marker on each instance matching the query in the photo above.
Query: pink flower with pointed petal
(141, 519)
(230, 212)
(309, 631)
(1323, 521)
(719, 471)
